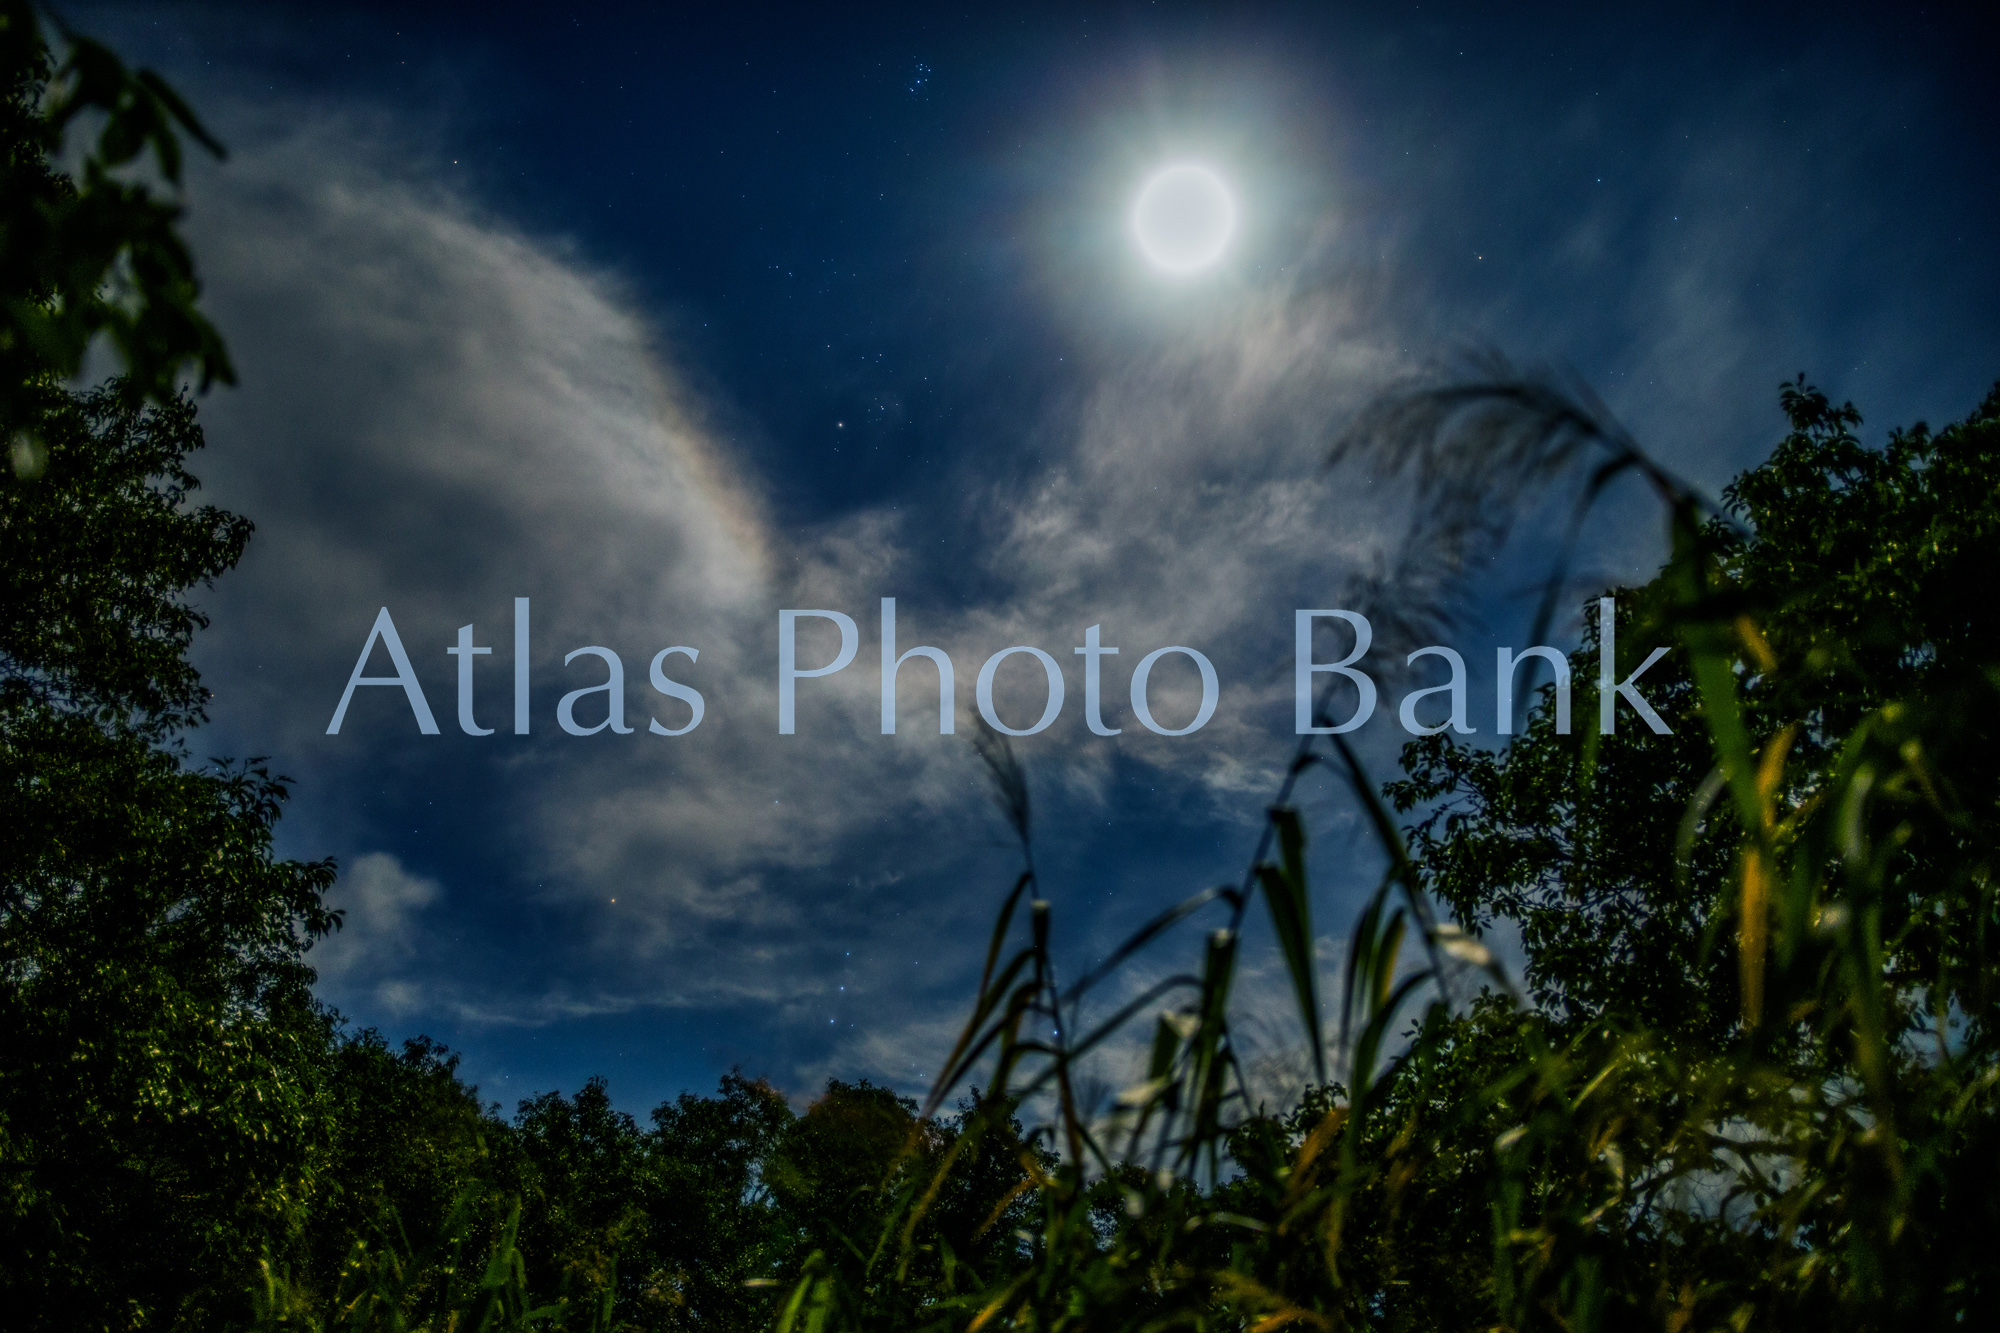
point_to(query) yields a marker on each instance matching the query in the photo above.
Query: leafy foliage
(165, 1067)
(100, 549)
(714, 1225)
(93, 251)
(162, 1090)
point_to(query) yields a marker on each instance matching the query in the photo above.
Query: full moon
(1184, 218)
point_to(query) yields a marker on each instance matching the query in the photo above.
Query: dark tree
(163, 1098)
(1858, 989)
(163, 1076)
(714, 1226)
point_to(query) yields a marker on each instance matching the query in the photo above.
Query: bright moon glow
(1184, 218)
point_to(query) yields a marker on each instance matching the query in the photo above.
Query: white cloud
(382, 933)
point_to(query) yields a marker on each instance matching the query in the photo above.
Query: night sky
(667, 318)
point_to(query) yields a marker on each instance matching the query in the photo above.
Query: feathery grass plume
(1009, 783)
(1477, 437)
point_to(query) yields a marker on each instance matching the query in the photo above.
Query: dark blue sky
(670, 319)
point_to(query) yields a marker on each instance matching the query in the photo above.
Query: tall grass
(1479, 1163)
(1620, 1176)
